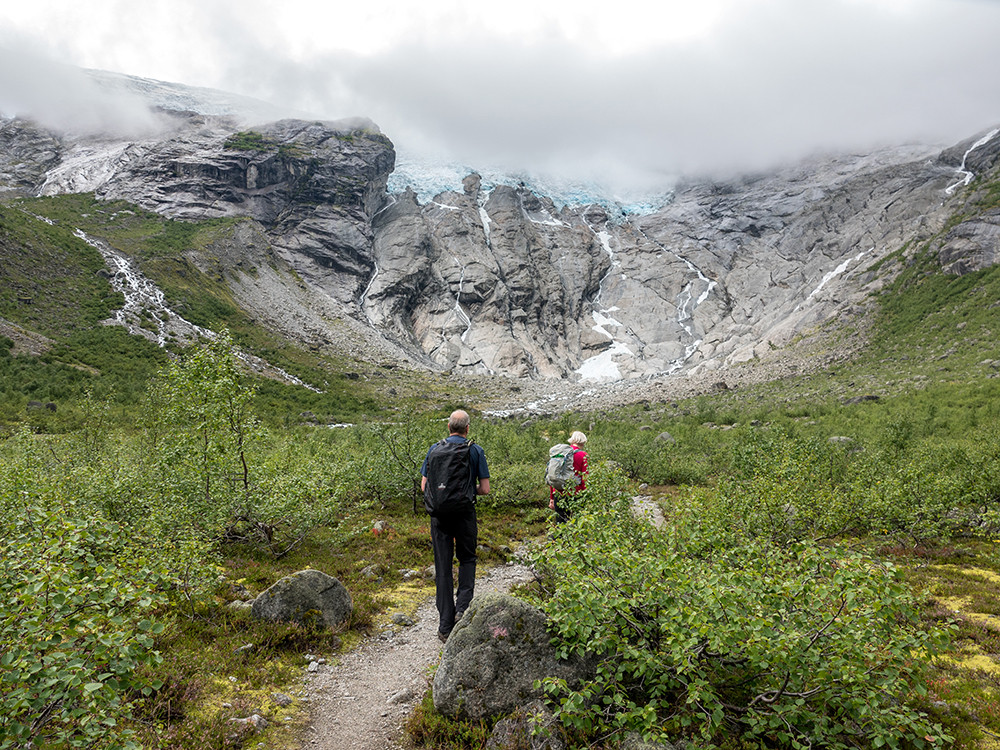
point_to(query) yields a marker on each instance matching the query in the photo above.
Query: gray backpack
(559, 473)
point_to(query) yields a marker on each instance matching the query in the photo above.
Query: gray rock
(861, 399)
(281, 699)
(256, 722)
(308, 597)
(27, 152)
(493, 657)
(665, 437)
(406, 695)
(634, 741)
(240, 591)
(532, 727)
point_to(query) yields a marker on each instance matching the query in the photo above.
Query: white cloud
(63, 97)
(629, 89)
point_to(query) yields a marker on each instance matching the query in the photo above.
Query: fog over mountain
(511, 275)
(631, 95)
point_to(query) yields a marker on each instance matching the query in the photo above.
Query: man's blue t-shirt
(477, 459)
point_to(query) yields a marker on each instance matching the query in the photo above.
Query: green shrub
(785, 646)
(514, 485)
(77, 595)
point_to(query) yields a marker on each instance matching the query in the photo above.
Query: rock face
(493, 657)
(500, 279)
(313, 186)
(27, 153)
(308, 597)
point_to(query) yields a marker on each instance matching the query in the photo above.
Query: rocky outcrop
(308, 597)
(972, 245)
(507, 282)
(494, 656)
(27, 153)
(313, 186)
(499, 279)
(496, 283)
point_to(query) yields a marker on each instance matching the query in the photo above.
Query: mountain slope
(497, 279)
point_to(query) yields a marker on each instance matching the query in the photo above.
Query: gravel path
(362, 701)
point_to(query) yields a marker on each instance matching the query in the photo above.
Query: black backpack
(449, 478)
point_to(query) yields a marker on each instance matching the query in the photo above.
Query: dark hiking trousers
(454, 534)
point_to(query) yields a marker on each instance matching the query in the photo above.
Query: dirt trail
(362, 701)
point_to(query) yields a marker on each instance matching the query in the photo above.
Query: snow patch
(827, 278)
(602, 367)
(601, 320)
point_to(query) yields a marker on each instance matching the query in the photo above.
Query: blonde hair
(577, 438)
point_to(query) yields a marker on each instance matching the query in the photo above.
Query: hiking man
(454, 472)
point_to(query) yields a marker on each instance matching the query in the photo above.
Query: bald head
(458, 422)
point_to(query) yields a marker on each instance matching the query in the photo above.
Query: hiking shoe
(443, 637)
(458, 615)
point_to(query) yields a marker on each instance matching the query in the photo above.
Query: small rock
(281, 699)
(240, 591)
(401, 618)
(403, 696)
(256, 721)
(313, 666)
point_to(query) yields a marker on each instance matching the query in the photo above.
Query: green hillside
(55, 284)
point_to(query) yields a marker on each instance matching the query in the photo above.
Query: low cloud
(65, 98)
(765, 83)
(775, 82)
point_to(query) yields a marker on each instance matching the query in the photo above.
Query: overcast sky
(628, 90)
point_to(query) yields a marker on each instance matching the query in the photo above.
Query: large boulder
(493, 658)
(308, 597)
